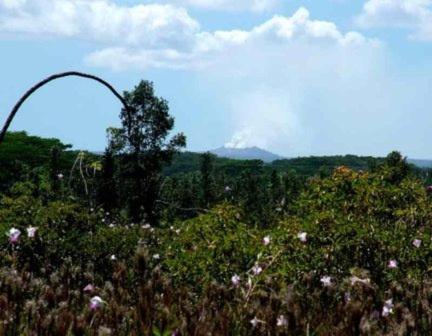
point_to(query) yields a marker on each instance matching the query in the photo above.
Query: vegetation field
(146, 239)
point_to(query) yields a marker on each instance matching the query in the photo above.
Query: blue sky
(295, 77)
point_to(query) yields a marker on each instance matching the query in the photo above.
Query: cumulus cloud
(208, 46)
(415, 15)
(149, 26)
(231, 5)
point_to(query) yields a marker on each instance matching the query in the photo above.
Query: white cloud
(150, 26)
(231, 5)
(208, 46)
(415, 15)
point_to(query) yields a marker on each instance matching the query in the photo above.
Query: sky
(297, 78)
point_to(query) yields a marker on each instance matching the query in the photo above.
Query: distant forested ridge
(25, 153)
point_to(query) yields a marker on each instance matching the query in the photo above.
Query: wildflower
(326, 281)
(429, 188)
(156, 256)
(111, 225)
(257, 269)
(266, 240)
(113, 257)
(31, 231)
(228, 189)
(355, 279)
(235, 280)
(14, 235)
(387, 308)
(281, 321)
(60, 176)
(254, 322)
(302, 236)
(96, 302)
(89, 288)
(417, 243)
(392, 263)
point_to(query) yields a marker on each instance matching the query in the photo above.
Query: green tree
(143, 147)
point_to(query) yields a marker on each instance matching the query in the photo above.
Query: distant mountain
(421, 163)
(251, 153)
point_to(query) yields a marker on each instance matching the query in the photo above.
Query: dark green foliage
(207, 182)
(54, 170)
(107, 190)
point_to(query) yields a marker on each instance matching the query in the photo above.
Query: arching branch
(50, 79)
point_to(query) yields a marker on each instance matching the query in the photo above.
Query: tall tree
(143, 147)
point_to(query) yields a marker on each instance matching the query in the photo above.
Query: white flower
(281, 321)
(14, 235)
(266, 240)
(113, 257)
(96, 302)
(156, 256)
(235, 280)
(417, 243)
(387, 308)
(111, 225)
(31, 231)
(254, 322)
(302, 236)
(326, 281)
(257, 269)
(392, 264)
(60, 176)
(227, 189)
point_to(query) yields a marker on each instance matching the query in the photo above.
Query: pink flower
(257, 269)
(96, 302)
(31, 231)
(326, 281)
(302, 236)
(266, 240)
(417, 243)
(14, 236)
(89, 288)
(392, 264)
(235, 280)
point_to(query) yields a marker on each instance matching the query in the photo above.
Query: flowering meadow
(351, 257)
(116, 245)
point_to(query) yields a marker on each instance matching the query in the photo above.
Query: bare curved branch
(50, 79)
